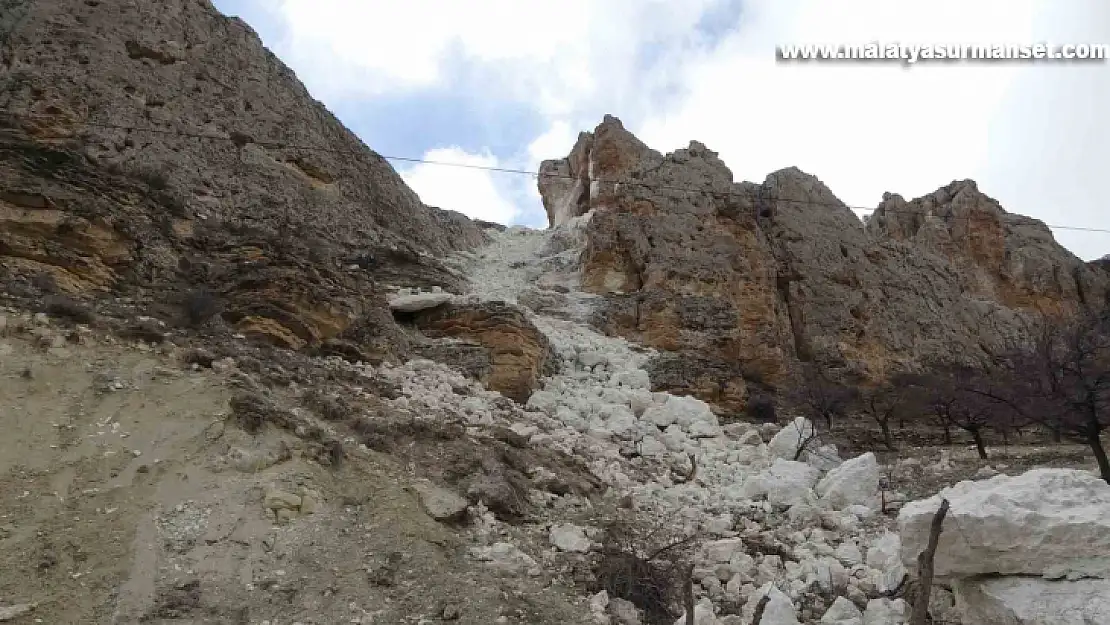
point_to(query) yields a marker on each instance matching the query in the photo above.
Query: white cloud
(561, 58)
(866, 128)
(555, 142)
(470, 190)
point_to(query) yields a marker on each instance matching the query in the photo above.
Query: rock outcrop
(518, 353)
(158, 152)
(737, 283)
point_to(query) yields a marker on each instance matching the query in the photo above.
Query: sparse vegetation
(199, 306)
(647, 567)
(68, 308)
(822, 397)
(1062, 382)
(761, 408)
(881, 403)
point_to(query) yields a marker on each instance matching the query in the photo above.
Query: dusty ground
(127, 497)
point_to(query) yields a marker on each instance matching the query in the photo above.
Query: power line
(241, 140)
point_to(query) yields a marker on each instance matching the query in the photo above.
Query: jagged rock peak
(736, 284)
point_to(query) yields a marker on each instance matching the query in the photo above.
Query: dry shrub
(761, 408)
(330, 407)
(645, 567)
(64, 307)
(251, 412)
(199, 306)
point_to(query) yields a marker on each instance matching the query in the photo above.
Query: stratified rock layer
(151, 148)
(739, 282)
(519, 354)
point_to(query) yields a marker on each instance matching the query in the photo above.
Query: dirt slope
(127, 497)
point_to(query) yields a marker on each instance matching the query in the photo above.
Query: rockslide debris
(825, 556)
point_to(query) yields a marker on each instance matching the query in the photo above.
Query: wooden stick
(757, 616)
(925, 567)
(689, 595)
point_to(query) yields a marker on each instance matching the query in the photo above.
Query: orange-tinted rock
(519, 354)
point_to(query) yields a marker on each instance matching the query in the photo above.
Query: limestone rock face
(737, 283)
(151, 148)
(1051, 522)
(519, 354)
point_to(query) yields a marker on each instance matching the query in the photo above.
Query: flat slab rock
(1050, 522)
(415, 302)
(440, 504)
(1033, 601)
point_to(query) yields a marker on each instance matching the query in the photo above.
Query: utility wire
(241, 140)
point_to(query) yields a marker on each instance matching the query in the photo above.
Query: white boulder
(853, 483)
(785, 483)
(825, 457)
(681, 411)
(703, 614)
(1051, 522)
(888, 612)
(791, 438)
(570, 538)
(842, 612)
(779, 610)
(1033, 601)
(885, 556)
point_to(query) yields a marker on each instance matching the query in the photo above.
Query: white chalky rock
(1051, 522)
(779, 610)
(543, 400)
(842, 612)
(504, 557)
(853, 483)
(887, 612)
(825, 457)
(885, 556)
(791, 438)
(639, 400)
(723, 551)
(569, 537)
(636, 378)
(1033, 601)
(681, 411)
(652, 447)
(414, 302)
(598, 604)
(703, 614)
(785, 483)
(849, 553)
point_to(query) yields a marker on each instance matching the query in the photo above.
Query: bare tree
(822, 397)
(961, 397)
(1063, 381)
(881, 403)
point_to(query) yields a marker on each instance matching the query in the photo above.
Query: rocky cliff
(158, 153)
(737, 283)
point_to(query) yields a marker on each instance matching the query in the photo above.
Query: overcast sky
(507, 83)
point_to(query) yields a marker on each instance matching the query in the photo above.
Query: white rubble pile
(808, 509)
(1024, 549)
(600, 405)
